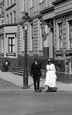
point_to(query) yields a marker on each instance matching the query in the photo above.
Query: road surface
(30, 103)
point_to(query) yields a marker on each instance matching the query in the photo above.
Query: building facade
(1, 30)
(49, 30)
(8, 30)
(63, 32)
(39, 41)
(63, 29)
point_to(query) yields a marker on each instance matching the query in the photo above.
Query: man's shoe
(39, 91)
(35, 90)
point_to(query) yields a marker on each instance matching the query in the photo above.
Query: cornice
(7, 25)
(63, 14)
(36, 16)
(58, 1)
(48, 9)
(10, 6)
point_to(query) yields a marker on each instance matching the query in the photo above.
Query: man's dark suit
(36, 74)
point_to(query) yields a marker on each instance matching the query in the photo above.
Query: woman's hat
(49, 60)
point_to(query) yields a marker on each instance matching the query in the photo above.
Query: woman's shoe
(51, 89)
(47, 90)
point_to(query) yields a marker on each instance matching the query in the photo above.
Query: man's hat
(36, 58)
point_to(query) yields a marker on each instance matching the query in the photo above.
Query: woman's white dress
(50, 76)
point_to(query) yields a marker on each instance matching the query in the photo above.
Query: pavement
(10, 81)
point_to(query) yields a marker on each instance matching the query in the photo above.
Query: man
(36, 73)
(6, 65)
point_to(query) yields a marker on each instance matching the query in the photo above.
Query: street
(30, 103)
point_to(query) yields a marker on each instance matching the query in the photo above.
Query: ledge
(68, 52)
(10, 6)
(7, 25)
(59, 53)
(48, 9)
(57, 2)
(31, 7)
(11, 54)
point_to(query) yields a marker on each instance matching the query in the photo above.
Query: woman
(51, 77)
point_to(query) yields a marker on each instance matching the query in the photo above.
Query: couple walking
(50, 80)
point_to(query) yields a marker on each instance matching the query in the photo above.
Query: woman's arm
(54, 68)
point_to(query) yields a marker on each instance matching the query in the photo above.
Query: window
(31, 3)
(11, 17)
(2, 9)
(50, 2)
(2, 21)
(11, 2)
(14, 16)
(24, 5)
(70, 34)
(2, 44)
(32, 30)
(7, 19)
(60, 35)
(11, 44)
(31, 37)
(7, 3)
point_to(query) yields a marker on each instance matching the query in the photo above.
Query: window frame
(14, 16)
(70, 33)
(11, 2)
(7, 3)
(7, 19)
(60, 35)
(10, 46)
(31, 3)
(11, 17)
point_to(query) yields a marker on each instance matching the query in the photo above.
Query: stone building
(49, 30)
(8, 29)
(63, 32)
(39, 41)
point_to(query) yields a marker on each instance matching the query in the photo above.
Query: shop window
(70, 34)
(60, 35)
(11, 44)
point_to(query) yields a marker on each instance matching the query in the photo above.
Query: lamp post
(25, 75)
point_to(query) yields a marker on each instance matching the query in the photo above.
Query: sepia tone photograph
(35, 57)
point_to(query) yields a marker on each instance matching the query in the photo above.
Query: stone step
(20, 71)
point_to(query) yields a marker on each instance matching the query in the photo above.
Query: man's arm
(31, 69)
